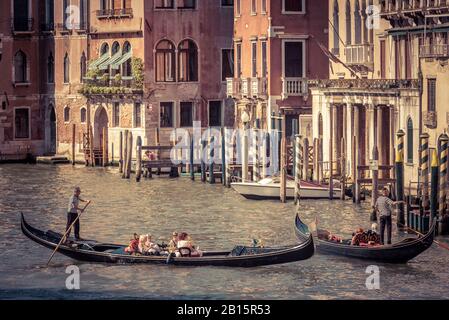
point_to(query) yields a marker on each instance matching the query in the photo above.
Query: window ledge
(22, 139)
(409, 164)
(22, 84)
(293, 12)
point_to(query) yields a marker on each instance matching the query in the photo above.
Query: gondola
(240, 256)
(400, 252)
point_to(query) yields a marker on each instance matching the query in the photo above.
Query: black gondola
(400, 252)
(240, 256)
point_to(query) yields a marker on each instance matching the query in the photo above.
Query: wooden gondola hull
(400, 252)
(101, 253)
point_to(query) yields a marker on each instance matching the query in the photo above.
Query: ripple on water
(218, 218)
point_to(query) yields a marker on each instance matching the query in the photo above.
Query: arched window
(51, 69)
(409, 140)
(165, 61)
(66, 114)
(336, 28)
(188, 61)
(371, 30)
(126, 67)
(348, 23)
(364, 29)
(20, 67)
(83, 115)
(104, 49)
(66, 68)
(357, 23)
(83, 67)
(115, 47)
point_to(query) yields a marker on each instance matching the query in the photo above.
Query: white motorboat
(269, 188)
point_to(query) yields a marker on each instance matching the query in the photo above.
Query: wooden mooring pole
(104, 149)
(424, 162)
(203, 160)
(139, 159)
(130, 155)
(211, 159)
(375, 177)
(91, 138)
(120, 163)
(223, 157)
(125, 154)
(283, 160)
(343, 169)
(331, 154)
(73, 143)
(305, 159)
(192, 158)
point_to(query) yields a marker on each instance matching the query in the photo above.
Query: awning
(96, 63)
(124, 58)
(105, 64)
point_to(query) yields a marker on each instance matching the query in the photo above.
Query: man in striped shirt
(384, 205)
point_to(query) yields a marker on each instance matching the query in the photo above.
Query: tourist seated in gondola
(358, 237)
(333, 238)
(186, 248)
(133, 247)
(147, 246)
(173, 244)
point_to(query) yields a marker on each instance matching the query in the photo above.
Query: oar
(442, 245)
(65, 234)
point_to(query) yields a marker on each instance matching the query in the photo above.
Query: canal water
(216, 217)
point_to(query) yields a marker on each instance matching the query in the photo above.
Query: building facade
(114, 65)
(22, 85)
(373, 90)
(276, 50)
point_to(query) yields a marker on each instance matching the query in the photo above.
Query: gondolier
(384, 205)
(73, 211)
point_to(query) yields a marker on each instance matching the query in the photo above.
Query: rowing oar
(442, 245)
(65, 234)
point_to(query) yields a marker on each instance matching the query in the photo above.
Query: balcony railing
(109, 86)
(430, 119)
(259, 87)
(391, 6)
(246, 87)
(233, 88)
(434, 51)
(22, 25)
(294, 87)
(114, 13)
(360, 54)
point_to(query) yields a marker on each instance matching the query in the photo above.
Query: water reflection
(218, 218)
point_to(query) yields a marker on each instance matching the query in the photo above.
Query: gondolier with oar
(73, 213)
(384, 205)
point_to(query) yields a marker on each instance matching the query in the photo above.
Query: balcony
(233, 88)
(259, 88)
(430, 119)
(434, 51)
(246, 87)
(114, 13)
(22, 26)
(110, 86)
(294, 87)
(360, 55)
(397, 6)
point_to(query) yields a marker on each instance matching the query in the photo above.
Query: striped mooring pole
(297, 169)
(434, 186)
(400, 177)
(256, 152)
(443, 174)
(424, 162)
